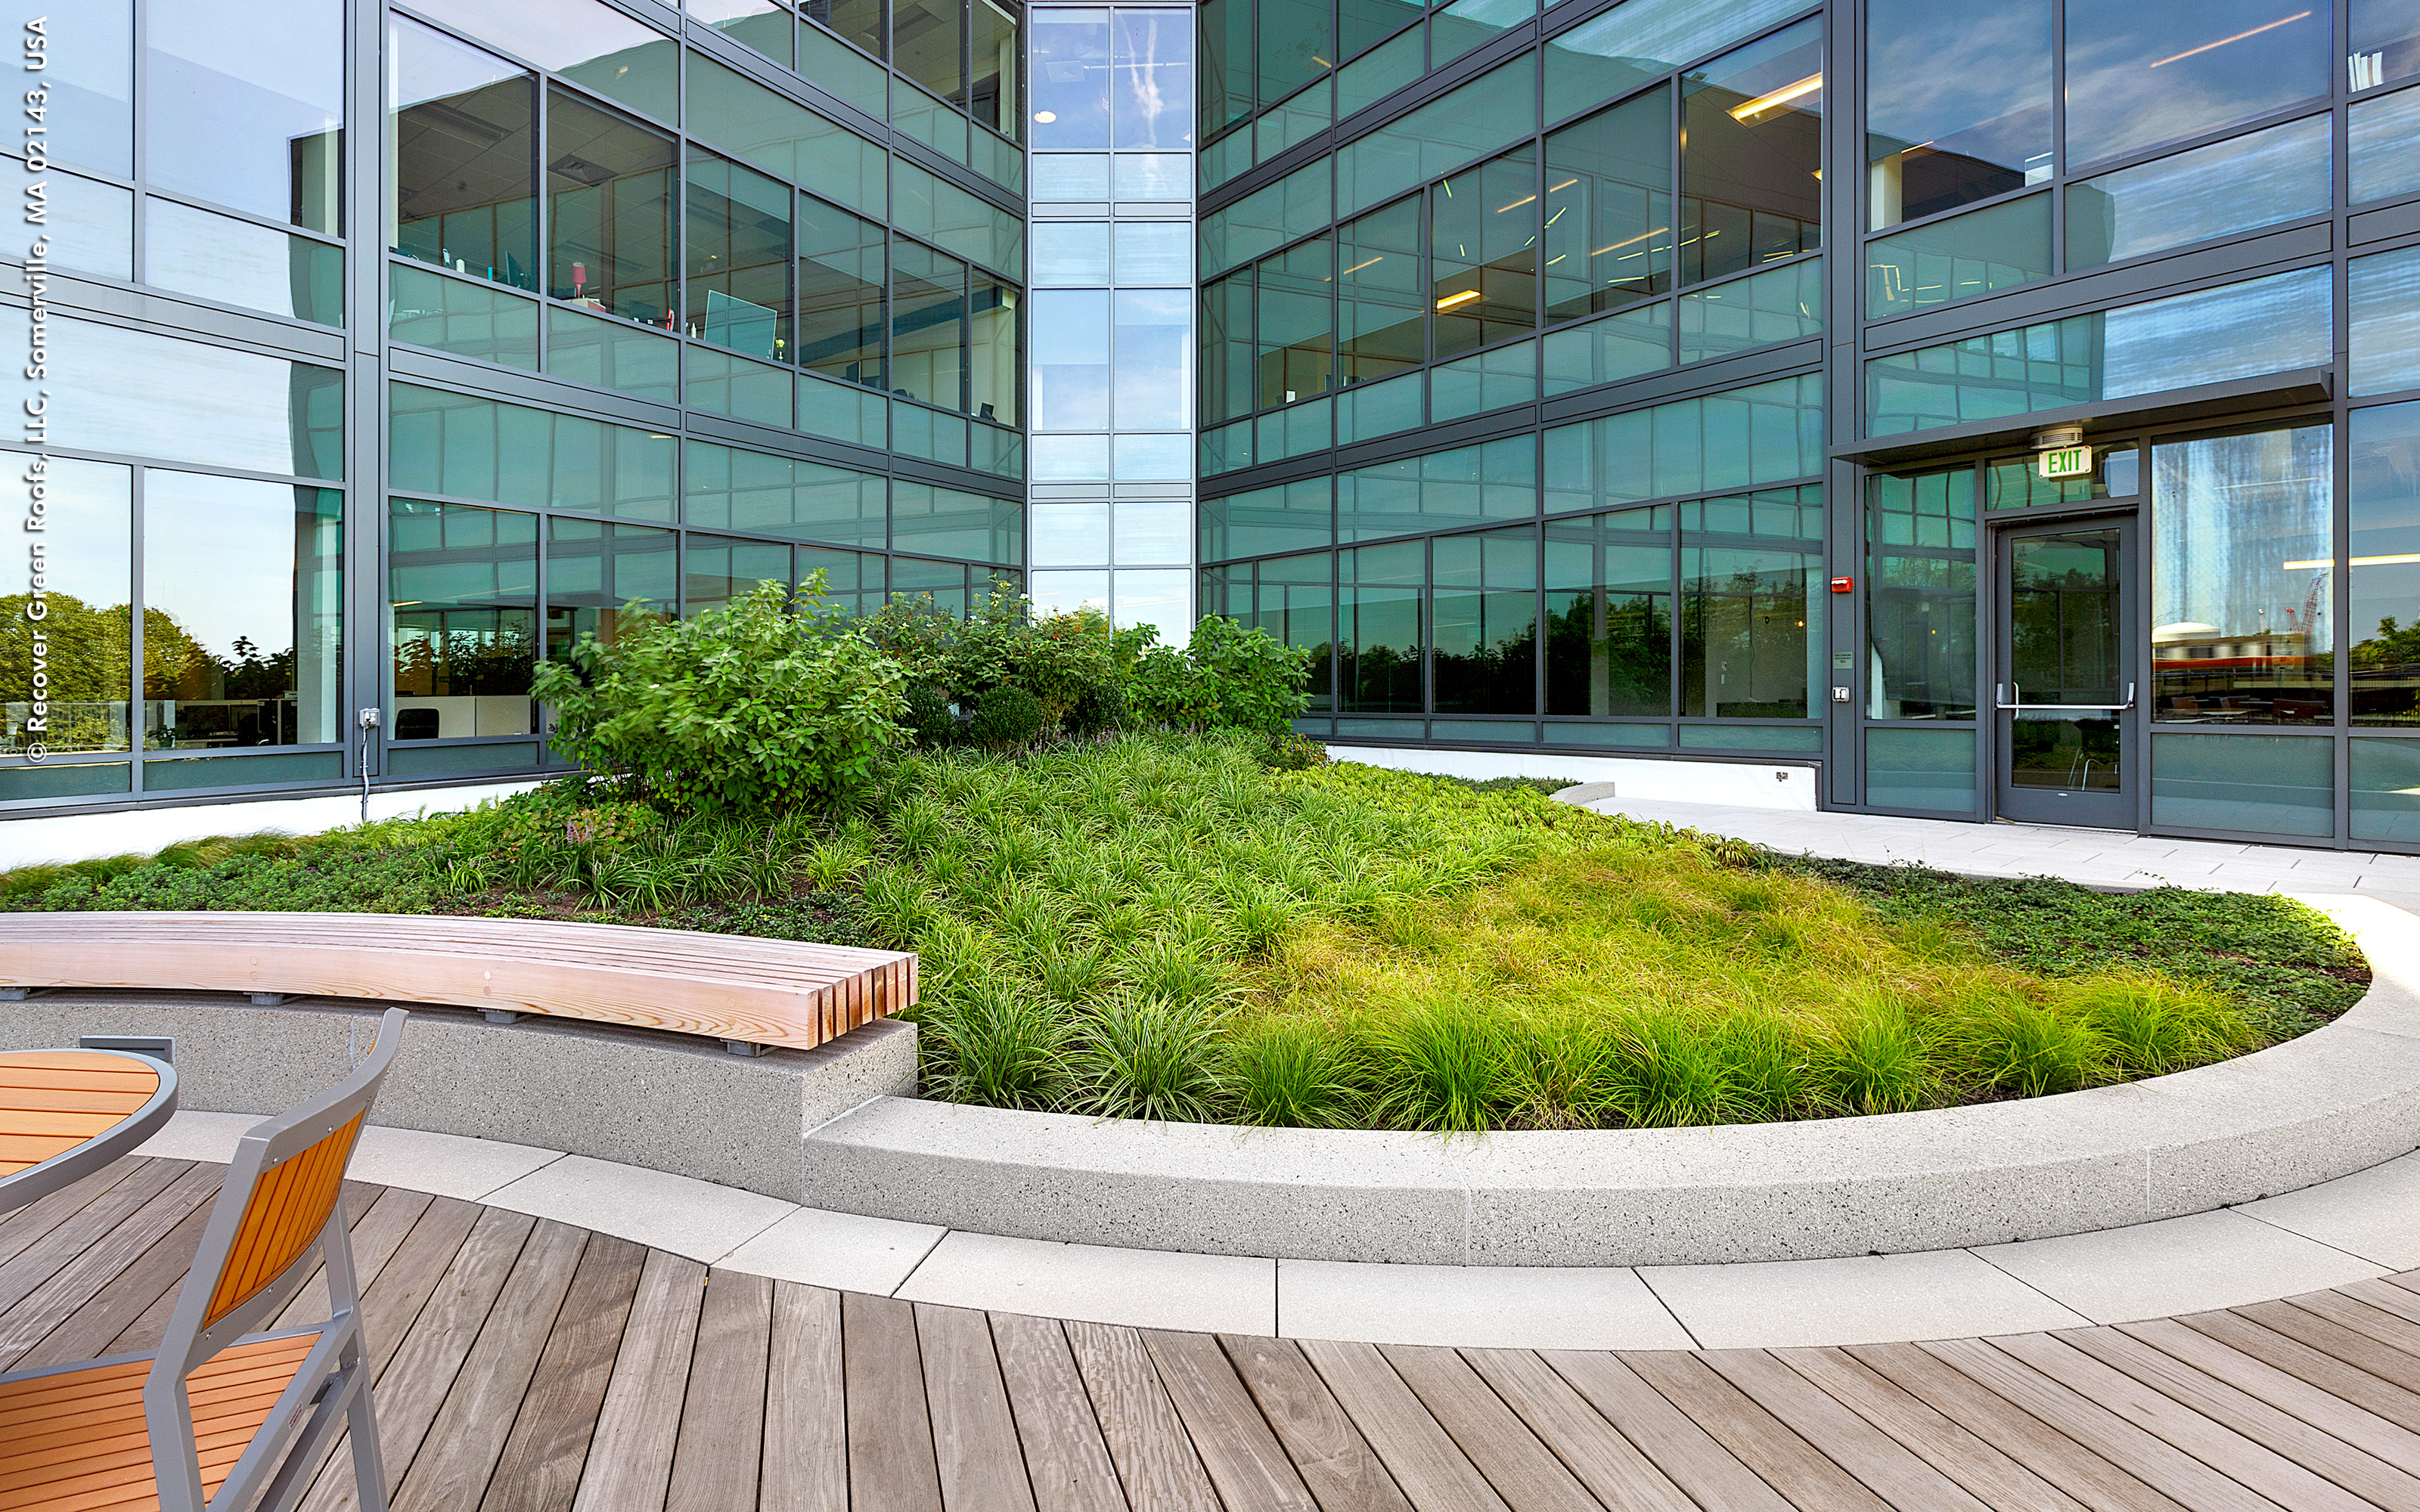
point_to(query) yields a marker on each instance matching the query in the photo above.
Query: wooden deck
(522, 1364)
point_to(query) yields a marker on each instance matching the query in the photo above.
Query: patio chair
(220, 1416)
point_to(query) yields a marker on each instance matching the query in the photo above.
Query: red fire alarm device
(1841, 585)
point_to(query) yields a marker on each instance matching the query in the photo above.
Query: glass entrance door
(2067, 748)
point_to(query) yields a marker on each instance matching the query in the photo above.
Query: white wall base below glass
(57, 838)
(1736, 784)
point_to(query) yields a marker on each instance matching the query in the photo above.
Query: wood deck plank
(718, 1458)
(1523, 1471)
(2141, 1452)
(59, 1245)
(1669, 1438)
(539, 1468)
(1609, 1465)
(2396, 1403)
(974, 1430)
(2023, 1438)
(1068, 1462)
(806, 1418)
(2355, 1425)
(2149, 1407)
(1155, 1459)
(1425, 1462)
(2369, 1478)
(630, 1464)
(2358, 1349)
(1247, 1465)
(1328, 1451)
(1877, 1461)
(29, 1223)
(2369, 1322)
(154, 1277)
(47, 1305)
(1787, 1464)
(1994, 1478)
(891, 1461)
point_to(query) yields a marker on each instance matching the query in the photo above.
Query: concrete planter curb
(2335, 1100)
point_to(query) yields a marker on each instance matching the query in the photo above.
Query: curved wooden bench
(752, 994)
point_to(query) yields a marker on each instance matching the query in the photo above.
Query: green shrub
(751, 707)
(931, 716)
(1007, 718)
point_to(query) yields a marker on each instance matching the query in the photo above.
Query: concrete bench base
(667, 1102)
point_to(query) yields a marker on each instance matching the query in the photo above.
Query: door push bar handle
(2000, 697)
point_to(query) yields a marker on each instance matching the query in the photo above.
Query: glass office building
(2012, 409)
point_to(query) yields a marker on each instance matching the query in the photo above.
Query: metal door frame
(2132, 653)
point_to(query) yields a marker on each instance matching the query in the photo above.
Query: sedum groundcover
(1172, 927)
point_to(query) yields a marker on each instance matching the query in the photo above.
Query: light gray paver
(2178, 1265)
(839, 1250)
(1856, 1300)
(464, 1168)
(678, 1213)
(1149, 1289)
(2373, 1214)
(1510, 1307)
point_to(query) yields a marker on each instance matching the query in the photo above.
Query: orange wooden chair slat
(77, 1443)
(288, 1207)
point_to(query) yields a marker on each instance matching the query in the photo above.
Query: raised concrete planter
(2334, 1101)
(640, 1097)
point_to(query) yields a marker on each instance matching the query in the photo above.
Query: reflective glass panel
(1957, 105)
(1297, 341)
(1780, 305)
(2385, 41)
(1155, 252)
(245, 106)
(1073, 533)
(1484, 606)
(1071, 176)
(1751, 152)
(1071, 253)
(715, 571)
(786, 139)
(1920, 595)
(462, 125)
(1609, 613)
(1382, 309)
(1140, 458)
(601, 579)
(2064, 636)
(738, 255)
(609, 184)
(1995, 248)
(857, 21)
(993, 347)
(1294, 598)
(731, 488)
(455, 444)
(1629, 45)
(2264, 784)
(592, 44)
(1467, 486)
(1481, 116)
(952, 522)
(762, 24)
(1071, 360)
(1154, 530)
(2277, 175)
(1608, 222)
(1148, 176)
(2382, 308)
(928, 40)
(994, 48)
(1383, 628)
(90, 226)
(1751, 567)
(1155, 359)
(244, 606)
(1153, 92)
(2242, 625)
(1071, 80)
(1484, 254)
(462, 588)
(2384, 139)
(1296, 44)
(2141, 74)
(454, 315)
(2383, 446)
(238, 262)
(90, 71)
(928, 325)
(84, 634)
(1227, 347)
(839, 293)
(133, 393)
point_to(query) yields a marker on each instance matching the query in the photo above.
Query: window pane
(995, 352)
(1609, 613)
(1071, 176)
(1780, 305)
(928, 325)
(87, 630)
(1160, 175)
(1155, 252)
(951, 218)
(951, 522)
(91, 228)
(183, 401)
(238, 262)
(1296, 45)
(733, 489)
(1266, 219)
(1227, 347)
(1485, 605)
(993, 100)
(839, 293)
(1750, 570)
(1467, 486)
(1465, 25)
(1295, 341)
(1071, 360)
(1957, 103)
(1920, 597)
(1071, 534)
(2276, 175)
(1065, 593)
(2141, 74)
(2382, 296)
(1770, 433)
(2241, 580)
(1608, 348)
(452, 444)
(1383, 630)
(463, 585)
(1629, 45)
(1154, 530)
(738, 256)
(764, 25)
(856, 22)
(462, 125)
(1155, 79)
(1960, 258)
(243, 605)
(2385, 41)
(2386, 791)
(1384, 70)
(594, 573)
(1071, 459)
(1071, 79)
(1155, 459)
(594, 45)
(2385, 147)
(91, 78)
(1484, 254)
(1608, 235)
(1751, 156)
(610, 202)
(1071, 253)
(715, 571)
(786, 139)
(2267, 784)
(246, 106)
(1155, 359)
(471, 319)
(928, 42)
(1382, 312)
(1481, 116)
(2383, 589)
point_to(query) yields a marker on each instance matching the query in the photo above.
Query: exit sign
(2067, 462)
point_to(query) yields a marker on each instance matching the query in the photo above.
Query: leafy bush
(1007, 718)
(751, 707)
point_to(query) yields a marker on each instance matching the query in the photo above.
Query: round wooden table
(64, 1114)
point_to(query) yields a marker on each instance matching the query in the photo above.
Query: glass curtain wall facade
(1694, 379)
(2011, 410)
(400, 347)
(1113, 107)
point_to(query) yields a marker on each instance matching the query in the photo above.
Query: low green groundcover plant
(1211, 927)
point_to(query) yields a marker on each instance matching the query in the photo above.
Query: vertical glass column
(1112, 490)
